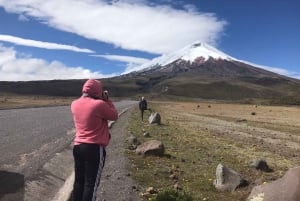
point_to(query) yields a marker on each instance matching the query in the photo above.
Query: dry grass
(280, 115)
(198, 136)
(9, 102)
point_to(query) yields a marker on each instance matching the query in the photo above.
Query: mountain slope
(202, 71)
(196, 71)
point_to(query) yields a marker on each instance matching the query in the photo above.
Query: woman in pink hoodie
(91, 113)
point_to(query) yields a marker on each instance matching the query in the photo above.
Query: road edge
(65, 191)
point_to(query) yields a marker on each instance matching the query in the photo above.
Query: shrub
(173, 196)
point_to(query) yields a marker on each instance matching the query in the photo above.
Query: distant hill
(198, 71)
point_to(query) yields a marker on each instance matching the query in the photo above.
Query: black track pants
(89, 162)
(142, 114)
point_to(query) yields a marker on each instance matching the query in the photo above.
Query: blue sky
(68, 39)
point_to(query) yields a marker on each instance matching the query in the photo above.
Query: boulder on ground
(283, 189)
(227, 179)
(154, 118)
(152, 147)
(132, 139)
(146, 134)
(260, 164)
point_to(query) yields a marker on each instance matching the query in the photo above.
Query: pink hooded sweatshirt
(91, 115)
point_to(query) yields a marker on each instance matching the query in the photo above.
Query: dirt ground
(116, 181)
(275, 130)
(199, 135)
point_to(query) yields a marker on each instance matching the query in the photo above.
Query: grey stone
(152, 147)
(260, 164)
(283, 189)
(133, 140)
(154, 118)
(146, 134)
(228, 179)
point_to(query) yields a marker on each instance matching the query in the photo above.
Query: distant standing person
(143, 106)
(91, 113)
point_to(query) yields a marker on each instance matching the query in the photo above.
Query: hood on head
(93, 88)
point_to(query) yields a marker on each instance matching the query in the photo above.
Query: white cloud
(13, 68)
(131, 24)
(131, 62)
(190, 8)
(126, 59)
(40, 44)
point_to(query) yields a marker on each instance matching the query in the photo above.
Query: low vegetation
(185, 86)
(173, 195)
(194, 149)
(9, 102)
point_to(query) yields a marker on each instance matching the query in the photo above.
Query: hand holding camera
(105, 95)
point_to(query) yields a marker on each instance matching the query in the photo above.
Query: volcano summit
(197, 71)
(202, 71)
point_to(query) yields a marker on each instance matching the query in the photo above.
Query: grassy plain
(200, 135)
(14, 101)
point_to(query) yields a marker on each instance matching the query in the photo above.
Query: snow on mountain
(188, 53)
(203, 52)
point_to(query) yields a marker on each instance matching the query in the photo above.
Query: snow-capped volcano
(189, 53)
(195, 71)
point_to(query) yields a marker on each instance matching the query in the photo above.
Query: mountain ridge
(188, 53)
(202, 71)
(197, 71)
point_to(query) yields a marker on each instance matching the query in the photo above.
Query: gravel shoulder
(39, 170)
(116, 182)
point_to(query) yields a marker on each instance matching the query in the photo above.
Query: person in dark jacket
(143, 106)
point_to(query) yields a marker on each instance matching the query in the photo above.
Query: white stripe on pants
(101, 164)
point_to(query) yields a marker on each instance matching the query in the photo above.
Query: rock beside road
(154, 118)
(260, 164)
(283, 189)
(132, 139)
(227, 179)
(152, 147)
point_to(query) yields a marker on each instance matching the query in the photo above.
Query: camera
(105, 95)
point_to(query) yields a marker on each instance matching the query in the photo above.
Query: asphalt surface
(32, 141)
(29, 136)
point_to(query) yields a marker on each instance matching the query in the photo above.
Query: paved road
(32, 134)
(31, 137)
